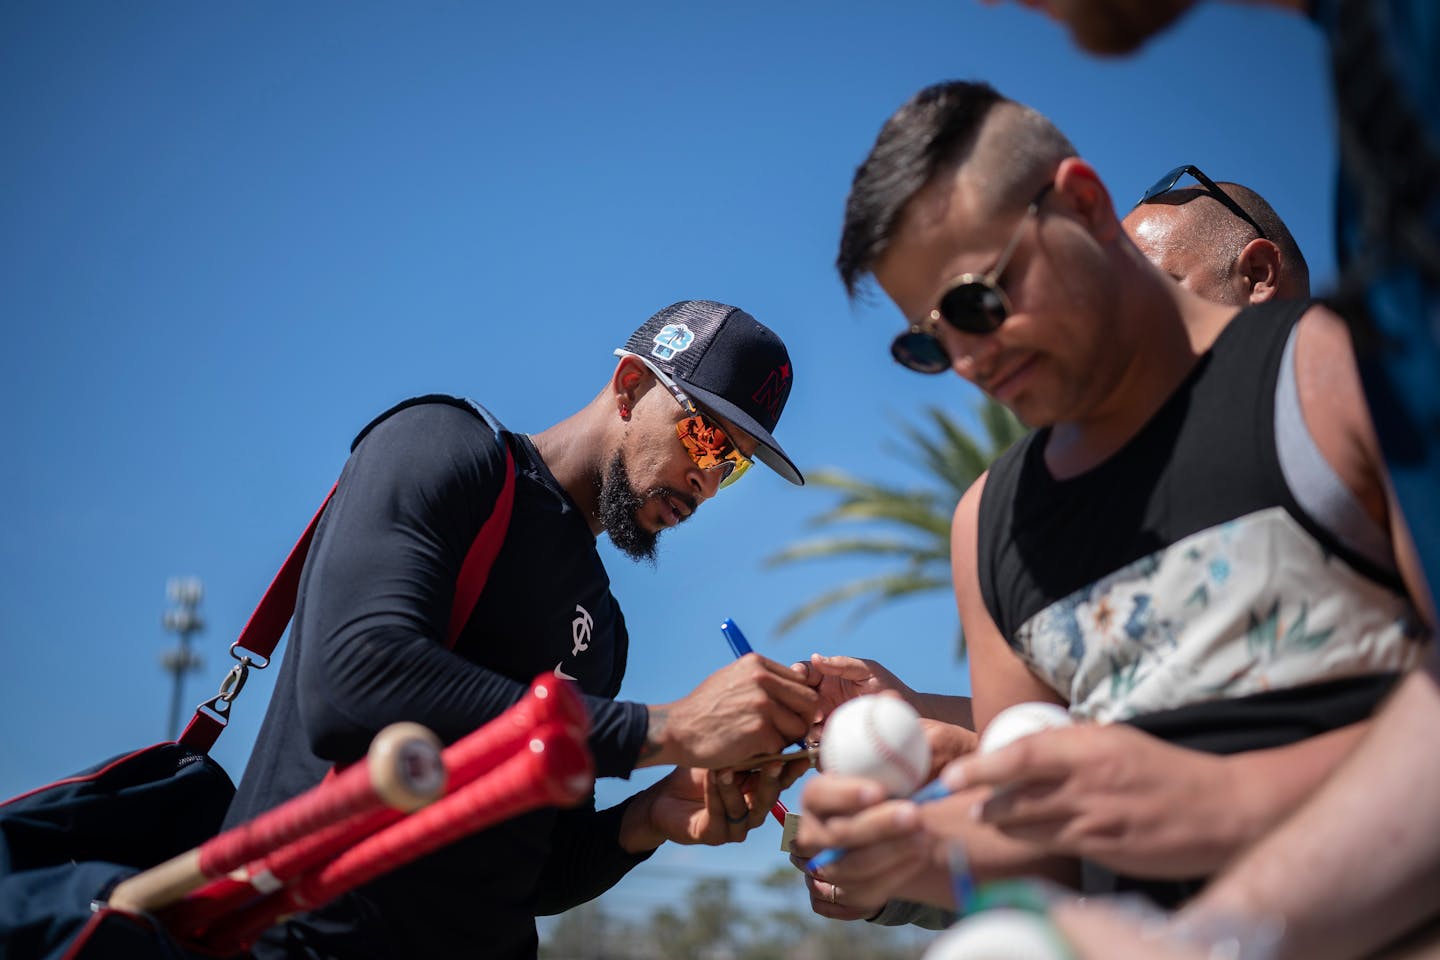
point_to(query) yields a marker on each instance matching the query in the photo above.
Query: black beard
(619, 509)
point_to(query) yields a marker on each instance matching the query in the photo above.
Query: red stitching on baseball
(886, 752)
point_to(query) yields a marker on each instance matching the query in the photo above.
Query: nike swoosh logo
(562, 674)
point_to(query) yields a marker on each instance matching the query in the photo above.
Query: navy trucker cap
(729, 363)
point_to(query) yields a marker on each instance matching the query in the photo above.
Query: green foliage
(709, 924)
(909, 529)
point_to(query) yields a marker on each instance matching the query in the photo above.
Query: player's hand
(838, 679)
(886, 847)
(1110, 794)
(753, 706)
(695, 806)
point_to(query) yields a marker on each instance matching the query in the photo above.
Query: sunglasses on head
(973, 303)
(707, 443)
(1167, 183)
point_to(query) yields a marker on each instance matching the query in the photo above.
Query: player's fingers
(784, 687)
(761, 792)
(725, 802)
(793, 771)
(806, 674)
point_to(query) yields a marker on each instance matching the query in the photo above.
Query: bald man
(1209, 250)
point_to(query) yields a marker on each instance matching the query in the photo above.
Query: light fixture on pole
(183, 620)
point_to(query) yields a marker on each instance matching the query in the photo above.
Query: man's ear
(1257, 271)
(1083, 191)
(627, 383)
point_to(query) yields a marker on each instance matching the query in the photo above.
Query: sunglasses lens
(734, 471)
(711, 448)
(920, 352)
(973, 308)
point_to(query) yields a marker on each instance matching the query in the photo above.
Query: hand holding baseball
(1110, 794)
(885, 845)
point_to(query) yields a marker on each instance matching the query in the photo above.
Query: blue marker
(741, 646)
(735, 638)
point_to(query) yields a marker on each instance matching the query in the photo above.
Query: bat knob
(559, 702)
(565, 768)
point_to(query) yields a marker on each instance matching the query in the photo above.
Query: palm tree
(913, 524)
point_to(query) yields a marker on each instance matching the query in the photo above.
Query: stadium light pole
(184, 620)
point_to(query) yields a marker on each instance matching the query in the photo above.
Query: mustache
(669, 493)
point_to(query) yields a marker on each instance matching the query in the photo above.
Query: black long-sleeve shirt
(367, 649)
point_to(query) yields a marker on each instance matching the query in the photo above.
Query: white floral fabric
(1251, 605)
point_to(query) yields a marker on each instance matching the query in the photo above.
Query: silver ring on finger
(832, 893)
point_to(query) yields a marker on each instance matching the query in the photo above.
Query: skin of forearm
(1360, 862)
(1272, 784)
(638, 833)
(945, 708)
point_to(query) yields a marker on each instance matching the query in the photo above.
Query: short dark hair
(934, 130)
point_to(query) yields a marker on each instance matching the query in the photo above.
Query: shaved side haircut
(936, 132)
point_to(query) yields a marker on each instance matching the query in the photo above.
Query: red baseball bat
(553, 768)
(549, 700)
(402, 771)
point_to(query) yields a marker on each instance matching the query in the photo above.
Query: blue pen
(735, 638)
(740, 646)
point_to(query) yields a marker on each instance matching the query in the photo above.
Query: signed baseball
(1021, 720)
(880, 738)
(999, 934)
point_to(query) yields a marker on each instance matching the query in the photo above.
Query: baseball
(880, 738)
(999, 934)
(1021, 720)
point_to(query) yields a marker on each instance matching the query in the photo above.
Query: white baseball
(1021, 720)
(999, 934)
(880, 738)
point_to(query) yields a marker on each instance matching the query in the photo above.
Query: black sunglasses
(1166, 183)
(973, 303)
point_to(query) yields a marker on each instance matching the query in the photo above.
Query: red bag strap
(481, 555)
(267, 624)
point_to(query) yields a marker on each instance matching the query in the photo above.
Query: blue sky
(232, 233)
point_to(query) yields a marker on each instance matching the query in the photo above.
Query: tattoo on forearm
(655, 736)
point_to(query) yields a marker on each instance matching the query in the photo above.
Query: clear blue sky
(231, 233)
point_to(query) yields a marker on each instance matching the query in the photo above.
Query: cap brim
(769, 452)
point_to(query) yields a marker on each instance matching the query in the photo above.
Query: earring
(624, 411)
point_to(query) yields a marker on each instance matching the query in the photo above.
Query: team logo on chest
(580, 629)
